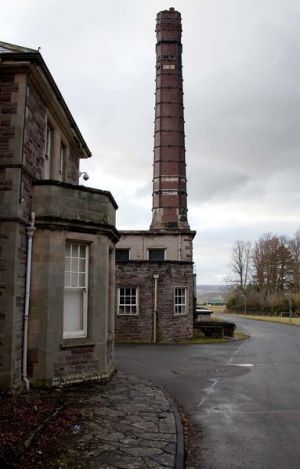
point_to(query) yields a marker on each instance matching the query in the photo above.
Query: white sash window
(76, 290)
(128, 301)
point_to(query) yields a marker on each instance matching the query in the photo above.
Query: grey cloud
(214, 183)
(245, 112)
(242, 97)
(145, 190)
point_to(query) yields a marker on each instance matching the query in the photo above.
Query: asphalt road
(242, 398)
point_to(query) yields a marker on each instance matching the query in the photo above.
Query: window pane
(156, 254)
(82, 251)
(49, 140)
(75, 250)
(62, 161)
(82, 265)
(67, 265)
(122, 255)
(74, 264)
(73, 308)
(74, 280)
(67, 279)
(68, 250)
(81, 280)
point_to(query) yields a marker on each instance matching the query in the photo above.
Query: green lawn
(203, 340)
(279, 319)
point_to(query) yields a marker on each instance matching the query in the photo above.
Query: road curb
(179, 458)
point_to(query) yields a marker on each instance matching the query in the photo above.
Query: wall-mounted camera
(84, 175)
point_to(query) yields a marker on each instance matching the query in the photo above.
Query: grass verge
(203, 340)
(277, 319)
(196, 340)
(240, 335)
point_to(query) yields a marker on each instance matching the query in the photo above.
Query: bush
(260, 303)
(296, 302)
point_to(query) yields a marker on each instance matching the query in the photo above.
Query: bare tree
(294, 248)
(272, 264)
(284, 264)
(241, 254)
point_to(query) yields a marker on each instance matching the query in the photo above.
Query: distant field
(293, 321)
(215, 308)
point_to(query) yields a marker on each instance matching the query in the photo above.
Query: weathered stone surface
(143, 452)
(27, 109)
(169, 327)
(166, 460)
(110, 427)
(160, 436)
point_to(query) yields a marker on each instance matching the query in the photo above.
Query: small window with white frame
(48, 151)
(128, 301)
(76, 290)
(180, 301)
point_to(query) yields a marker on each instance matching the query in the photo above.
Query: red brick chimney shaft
(169, 208)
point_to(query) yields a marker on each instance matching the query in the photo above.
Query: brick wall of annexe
(170, 327)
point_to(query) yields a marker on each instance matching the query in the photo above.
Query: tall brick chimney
(169, 201)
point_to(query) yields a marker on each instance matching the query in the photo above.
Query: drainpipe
(30, 232)
(156, 277)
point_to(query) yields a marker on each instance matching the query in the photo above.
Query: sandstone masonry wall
(178, 246)
(12, 234)
(25, 111)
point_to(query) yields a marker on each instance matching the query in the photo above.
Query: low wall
(214, 329)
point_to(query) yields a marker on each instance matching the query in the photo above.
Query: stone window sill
(77, 342)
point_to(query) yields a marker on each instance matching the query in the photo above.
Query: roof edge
(16, 48)
(36, 58)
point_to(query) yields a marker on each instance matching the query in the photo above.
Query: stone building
(154, 268)
(54, 232)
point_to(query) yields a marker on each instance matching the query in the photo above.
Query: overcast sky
(241, 68)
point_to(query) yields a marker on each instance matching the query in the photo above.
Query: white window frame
(84, 288)
(48, 150)
(180, 304)
(129, 305)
